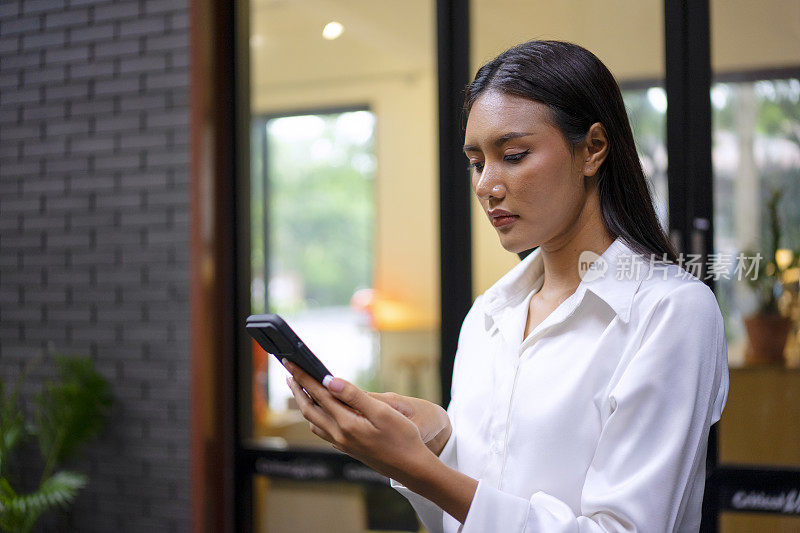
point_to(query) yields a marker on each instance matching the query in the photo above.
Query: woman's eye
(515, 157)
(477, 165)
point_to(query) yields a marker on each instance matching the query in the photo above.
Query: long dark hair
(579, 90)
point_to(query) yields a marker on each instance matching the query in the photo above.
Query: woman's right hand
(431, 419)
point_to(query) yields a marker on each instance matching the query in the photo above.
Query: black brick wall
(94, 234)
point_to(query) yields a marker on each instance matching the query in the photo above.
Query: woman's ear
(596, 149)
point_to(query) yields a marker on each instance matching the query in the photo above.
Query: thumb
(399, 403)
(356, 398)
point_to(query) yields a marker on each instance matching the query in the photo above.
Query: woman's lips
(504, 220)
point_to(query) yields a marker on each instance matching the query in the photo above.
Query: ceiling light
(332, 30)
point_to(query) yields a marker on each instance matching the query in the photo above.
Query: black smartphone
(277, 338)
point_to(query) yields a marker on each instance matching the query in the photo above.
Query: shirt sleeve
(430, 514)
(652, 446)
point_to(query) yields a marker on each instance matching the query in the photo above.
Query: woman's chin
(515, 246)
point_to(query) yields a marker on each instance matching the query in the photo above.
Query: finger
(333, 407)
(311, 411)
(302, 378)
(337, 447)
(373, 409)
(382, 396)
(289, 380)
(398, 403)
(318, 431)
(300, 395)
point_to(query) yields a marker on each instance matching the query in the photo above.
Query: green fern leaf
(12, 425)
(20, 512)
(71, 411)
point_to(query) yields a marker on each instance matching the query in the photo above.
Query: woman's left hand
(360, 426)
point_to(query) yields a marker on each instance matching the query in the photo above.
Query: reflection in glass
(318, 178)
(647, 114)
(756, 150)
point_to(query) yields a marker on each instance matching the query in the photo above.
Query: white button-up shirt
(599, 419)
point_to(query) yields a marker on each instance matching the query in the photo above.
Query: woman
(587, 377)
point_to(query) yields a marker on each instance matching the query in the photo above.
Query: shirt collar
(616, 286)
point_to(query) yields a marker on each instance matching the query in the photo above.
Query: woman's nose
(489, 186)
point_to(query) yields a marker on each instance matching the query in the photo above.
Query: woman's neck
(561, 254)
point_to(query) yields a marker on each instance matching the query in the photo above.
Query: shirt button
(496, 446)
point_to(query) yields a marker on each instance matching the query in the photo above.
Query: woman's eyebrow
(500, 140)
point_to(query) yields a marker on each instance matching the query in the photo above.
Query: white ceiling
(387, 38)
(381, 37)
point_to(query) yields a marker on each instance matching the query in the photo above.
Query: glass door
(344, 238)
(755, 98)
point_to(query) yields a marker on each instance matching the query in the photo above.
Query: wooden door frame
(219, 235)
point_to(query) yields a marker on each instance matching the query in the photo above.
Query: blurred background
(168, 168)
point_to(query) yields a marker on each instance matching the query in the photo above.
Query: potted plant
(767, 328)
(66, 414)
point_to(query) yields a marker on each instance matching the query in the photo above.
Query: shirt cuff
(448, 453)
(494, 510)
(430, 514)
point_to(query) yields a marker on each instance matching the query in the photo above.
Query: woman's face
(520, 164)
